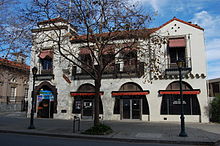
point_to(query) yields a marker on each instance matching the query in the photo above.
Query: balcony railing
(47, 71)
(45, 74)
(171, 66)
(113, 71)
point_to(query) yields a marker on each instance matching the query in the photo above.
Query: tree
(15, 33)
(105, 29)
(215, 110)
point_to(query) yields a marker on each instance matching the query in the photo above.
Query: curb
(101, 138)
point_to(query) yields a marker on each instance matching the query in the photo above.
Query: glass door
(136, 112)
(87, 111)
(126, 109)
(131, 108)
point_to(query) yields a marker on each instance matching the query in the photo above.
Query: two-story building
(14, 77)
(64, 90)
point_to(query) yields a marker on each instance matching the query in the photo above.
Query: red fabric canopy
(121, 93)
(177, 42)
(84, 93)
(190, 92)
(84, 51)
(45, 53)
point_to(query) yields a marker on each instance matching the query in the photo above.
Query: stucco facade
(14, 76)
(146, 102)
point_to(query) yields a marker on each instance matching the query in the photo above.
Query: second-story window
(176, 50)
(46, 60)
(130, 58)
(47, 64)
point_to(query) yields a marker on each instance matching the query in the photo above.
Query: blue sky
(205, 13)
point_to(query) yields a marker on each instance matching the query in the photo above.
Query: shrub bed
(100, 129)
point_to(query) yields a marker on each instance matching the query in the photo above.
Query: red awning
(84, 51)
(109, 49)
(45, 53)
(189, 92)
(177, 42)
(121, 93)
(84, 93)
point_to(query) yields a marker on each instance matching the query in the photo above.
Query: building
(63, 91)
(214, 87)
(14, 77)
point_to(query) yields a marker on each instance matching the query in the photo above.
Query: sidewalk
(132, 131)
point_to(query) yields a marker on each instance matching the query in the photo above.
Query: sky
(205, 13)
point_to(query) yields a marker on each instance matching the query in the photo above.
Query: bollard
(76, 120)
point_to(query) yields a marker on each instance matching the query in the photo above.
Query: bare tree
(15, 33)
(106, 29)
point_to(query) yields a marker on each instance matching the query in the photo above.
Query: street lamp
(180, 65)
(34, 72)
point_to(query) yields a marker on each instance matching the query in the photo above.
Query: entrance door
(87, 111)
(126, 109)
(136, 109)
(131, 108)
(43, 108)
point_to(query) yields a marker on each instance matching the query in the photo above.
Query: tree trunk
(97, 97)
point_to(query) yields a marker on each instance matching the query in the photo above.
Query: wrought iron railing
(113, 71)
(172, 64)
(14, 100)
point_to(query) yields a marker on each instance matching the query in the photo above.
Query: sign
(45, 94)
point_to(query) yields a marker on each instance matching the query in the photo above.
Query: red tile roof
(125, 34)
(59, 19)
(190, 24)
(116, 35)
(14, 64)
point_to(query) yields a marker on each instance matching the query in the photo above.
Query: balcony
(172, 68)
(134, 70)
(45, 74)
(113, 72)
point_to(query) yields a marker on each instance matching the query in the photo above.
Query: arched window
(137, 104)
(171, 103)
(84, 103)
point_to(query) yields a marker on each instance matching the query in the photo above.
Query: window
(86, 61)
(130, 58)
(13, 93)
(171, 105)
(176, 49)
(215, 88)
(176, 54)
(47, 63)
(26, 93)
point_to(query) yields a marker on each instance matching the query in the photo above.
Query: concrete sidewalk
(130, 131)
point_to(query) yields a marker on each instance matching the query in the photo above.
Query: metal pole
(32, 107)
(182, 133)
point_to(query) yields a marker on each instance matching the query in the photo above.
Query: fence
(13, 103)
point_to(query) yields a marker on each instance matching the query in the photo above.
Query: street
(26, 140)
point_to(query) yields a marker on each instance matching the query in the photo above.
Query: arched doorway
(170, 104)
(131, 101)
(84, 101)
(46, 100)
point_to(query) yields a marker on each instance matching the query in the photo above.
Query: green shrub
(100, 129)
(215, 110)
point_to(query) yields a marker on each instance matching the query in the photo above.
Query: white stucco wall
(195, 49)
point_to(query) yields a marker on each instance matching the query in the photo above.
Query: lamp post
(180, 64)
(34, 72)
